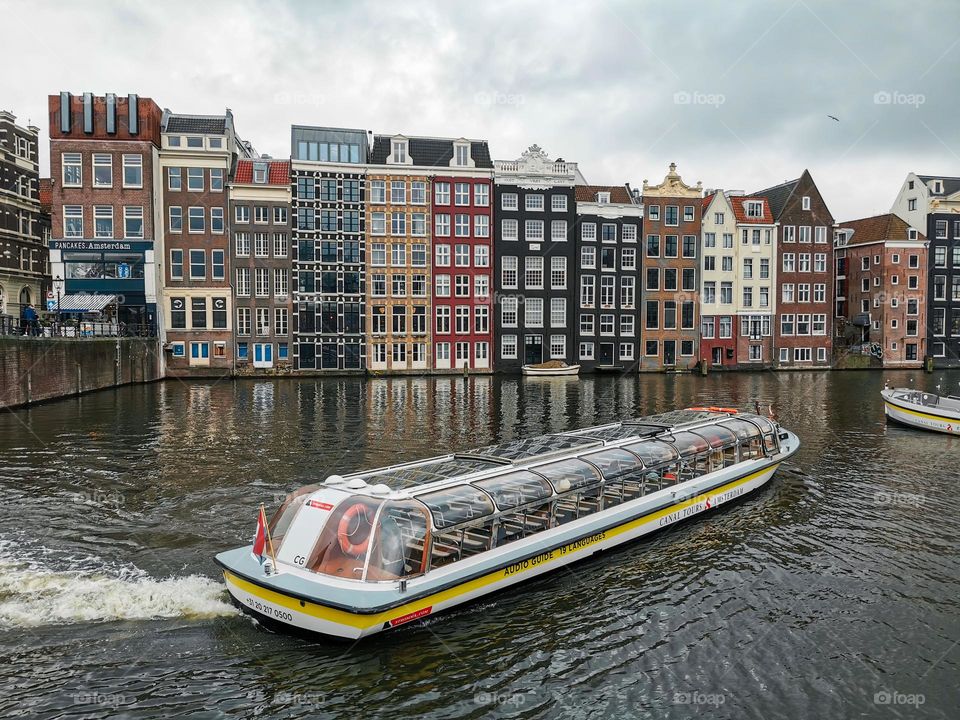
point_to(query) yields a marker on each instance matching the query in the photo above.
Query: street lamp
(56, 282)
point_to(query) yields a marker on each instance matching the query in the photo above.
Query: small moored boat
(552, 367)
(927, 411)
(370, 551)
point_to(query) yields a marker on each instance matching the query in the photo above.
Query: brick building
(104, 234)
(804, 327)
(931, 204)
(260, 261)
(462, 256)
(881, 289)
(197, 155)
(23, 222)
(672, 226)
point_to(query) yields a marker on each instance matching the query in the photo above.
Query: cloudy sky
(737, 94)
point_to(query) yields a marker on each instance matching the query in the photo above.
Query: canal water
(833, 592)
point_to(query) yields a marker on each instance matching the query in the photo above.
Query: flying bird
(832, 117)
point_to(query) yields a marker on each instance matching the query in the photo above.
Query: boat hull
(920, 416)
(545, 372)
(298, 614)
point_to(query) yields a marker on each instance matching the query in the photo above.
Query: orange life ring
(345, 533)
(732, 411)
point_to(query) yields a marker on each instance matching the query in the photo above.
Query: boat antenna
(770, 413)
(756, 406)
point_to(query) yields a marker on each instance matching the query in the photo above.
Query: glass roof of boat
(677, 417)
(653, 452)
(569, 474)
(688, 443)
(618, 432)
(742, 428)
(514, 450)
(516, 488)
(408, 477)
(716, 435)
(614, 462)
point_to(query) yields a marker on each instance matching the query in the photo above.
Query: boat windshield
(283, 517)
(653, 452)
(518, 488)
(457, 504)
(569, 474)
(341, 548)
(614, 462)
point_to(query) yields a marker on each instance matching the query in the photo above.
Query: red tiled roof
(878, 228)
(46, 193)
(707, 200)
(618, 193)
(279, 173)
(740, 210)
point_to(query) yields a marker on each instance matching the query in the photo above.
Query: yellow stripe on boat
(928, 416)
(363, 621)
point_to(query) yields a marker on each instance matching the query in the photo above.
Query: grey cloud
(601, 83)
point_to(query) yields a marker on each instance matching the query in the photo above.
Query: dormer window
(215, 143)
(910, 185)
(755, 209)
(462, 155)
(912, 234)
(806, 202)
(260, 173)
(603, 198)
(400, 151)
(195, 142)
(937, 186)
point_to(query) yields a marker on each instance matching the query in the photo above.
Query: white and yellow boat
(927, 411)
(371, 551)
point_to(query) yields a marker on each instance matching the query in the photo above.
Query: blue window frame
(282, 351)
(242, 350)
(199, 350)
(179, 350)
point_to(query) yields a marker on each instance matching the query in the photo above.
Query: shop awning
(85, 302)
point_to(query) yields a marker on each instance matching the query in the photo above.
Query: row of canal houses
(395, 253)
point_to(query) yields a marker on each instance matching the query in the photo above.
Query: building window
(198, 264)
(73, 221)
(195, 220)
(133, 222)
(102, 170)
(72, 169)
(558, 203)
(509, 230)
(195, 179)
(103, 221)
(588, 232)
(558, 346)
(533, 203)
(176, 264)
(133, 171)
(509, 271)
(533, 230)
(481, 195)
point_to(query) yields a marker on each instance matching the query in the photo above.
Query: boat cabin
(406, 520)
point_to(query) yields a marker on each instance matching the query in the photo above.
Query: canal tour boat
(373, 550)
(926, 411)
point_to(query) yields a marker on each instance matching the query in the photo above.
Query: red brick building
(103, 154)
(803, 328)
(672, 226)
(881, 288)
(462, 271)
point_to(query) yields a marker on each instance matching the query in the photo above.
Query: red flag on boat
(260, 536)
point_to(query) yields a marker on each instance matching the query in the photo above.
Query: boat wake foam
(32, 594)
